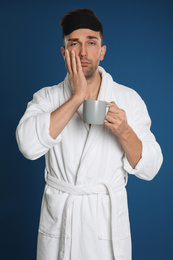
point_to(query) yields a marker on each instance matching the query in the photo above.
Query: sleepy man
(84, 213)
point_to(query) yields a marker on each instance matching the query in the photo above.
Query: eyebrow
(77, 39)
(73, 40)
(92, 37)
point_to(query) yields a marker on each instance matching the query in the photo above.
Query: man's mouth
(84, 63)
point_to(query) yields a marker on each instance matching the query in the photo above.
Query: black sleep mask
(81, 20)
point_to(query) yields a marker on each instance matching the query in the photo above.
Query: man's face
(87, 45)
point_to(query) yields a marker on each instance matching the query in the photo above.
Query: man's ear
(63, 52)
(103, 51)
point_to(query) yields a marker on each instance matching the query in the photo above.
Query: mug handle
(107, 106)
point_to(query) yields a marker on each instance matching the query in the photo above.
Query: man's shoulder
(49, 91)
(49, 95)
(127, 96)
(122, 89)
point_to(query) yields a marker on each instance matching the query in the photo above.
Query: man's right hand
(77, 77)
(62, 115)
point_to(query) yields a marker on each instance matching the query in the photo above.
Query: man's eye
(73, 43)
(92, 43)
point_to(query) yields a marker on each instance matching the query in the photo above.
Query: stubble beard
(89, 73)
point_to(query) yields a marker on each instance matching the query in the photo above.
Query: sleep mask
(81, 20)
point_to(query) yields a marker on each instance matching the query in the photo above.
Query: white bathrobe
(84, 213)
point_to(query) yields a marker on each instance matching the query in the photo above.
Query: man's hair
(79, 11)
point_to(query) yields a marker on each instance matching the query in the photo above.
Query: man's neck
(94, 86)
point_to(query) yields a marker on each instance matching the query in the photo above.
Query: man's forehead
(83, 34)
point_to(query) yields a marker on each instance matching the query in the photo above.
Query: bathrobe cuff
(42, 125)
(140, 165)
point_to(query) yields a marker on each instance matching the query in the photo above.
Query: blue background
(139, 39)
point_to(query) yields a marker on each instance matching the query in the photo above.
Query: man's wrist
(78, 99)
(124, 136)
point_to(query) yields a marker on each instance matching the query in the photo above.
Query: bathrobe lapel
(95, 130)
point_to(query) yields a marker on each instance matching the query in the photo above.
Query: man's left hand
(131, 144)
(117, 120)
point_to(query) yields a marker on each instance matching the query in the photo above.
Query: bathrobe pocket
(104, 216)
(123, 215)
(51, 212)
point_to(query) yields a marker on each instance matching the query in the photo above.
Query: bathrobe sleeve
(32, 133)
(152, 158)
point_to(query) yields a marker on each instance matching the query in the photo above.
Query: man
(84, 212)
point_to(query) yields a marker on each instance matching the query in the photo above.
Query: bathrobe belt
(82, 190)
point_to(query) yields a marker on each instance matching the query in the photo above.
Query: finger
(67, 61)
(113, 114)
(109, 125)
(108, 106)
(113, 107)
(108, 103)
(110, 119)
(73, 62)
(113, 118)
(112, 104)
(79, 67)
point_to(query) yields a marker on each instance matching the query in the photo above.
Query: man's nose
(83, 51)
